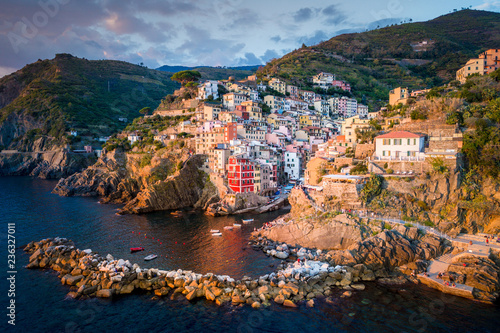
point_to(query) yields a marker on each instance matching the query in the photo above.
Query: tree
(186, 76)
(145, 111)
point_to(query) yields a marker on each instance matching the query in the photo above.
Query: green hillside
(214, 73)
(378, 60)
(50, 97)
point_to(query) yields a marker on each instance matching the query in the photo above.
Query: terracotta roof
(398, 135)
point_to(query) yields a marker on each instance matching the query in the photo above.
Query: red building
(230, 132)
(240, 174)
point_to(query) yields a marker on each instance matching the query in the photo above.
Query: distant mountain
(50, 97)
(418, 55)
(215, 73)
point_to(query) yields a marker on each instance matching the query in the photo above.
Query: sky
(194, 32)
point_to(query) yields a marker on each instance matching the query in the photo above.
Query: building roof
(398, 135)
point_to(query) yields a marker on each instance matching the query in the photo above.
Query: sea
(30, 212)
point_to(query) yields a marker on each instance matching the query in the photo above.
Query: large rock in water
(335, 234)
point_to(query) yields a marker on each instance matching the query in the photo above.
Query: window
(408, 153)
(414, 141)
(383, 153)
(408, 142)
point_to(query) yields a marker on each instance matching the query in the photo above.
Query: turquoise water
(185, 242)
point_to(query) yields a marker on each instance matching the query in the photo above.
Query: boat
(237, 225)
(216, 233)
(150, 257)
(136, 249)
(247, 221)
(214, 230)
(228, 227)
(176, 213)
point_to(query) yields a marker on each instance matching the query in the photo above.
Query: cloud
(202, 48)
(268, 55)
(316, 38)
(276, 38)
(249, 59)
(489, 5)
(6, 71)
(334, 15)
(384, 23)
(303, 14)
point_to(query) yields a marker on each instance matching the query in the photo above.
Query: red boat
(136, 249)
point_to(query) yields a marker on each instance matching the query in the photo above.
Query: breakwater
(91, 275)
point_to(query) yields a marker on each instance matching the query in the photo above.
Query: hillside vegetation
(50, 97)
(214, 73)
(378, 60)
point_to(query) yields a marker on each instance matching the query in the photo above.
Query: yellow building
(278, 85)
(253, 109)
(309, 120)
(398, 95)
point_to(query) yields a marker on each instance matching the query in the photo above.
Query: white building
(399, 145)
(362, 110)
(133, 138)
(323, 80)
(208, 88)
(292, 164)
(231, 100)
(323, 107)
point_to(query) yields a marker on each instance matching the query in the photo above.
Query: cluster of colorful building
(253, 151)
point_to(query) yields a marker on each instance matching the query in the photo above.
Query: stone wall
(418, 167)
(363, 150)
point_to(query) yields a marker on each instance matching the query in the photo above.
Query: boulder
(281, 255)
(358, 286)
(127, 289)
(280, 299)
(71, 279)
(105, 293)
(289, 303)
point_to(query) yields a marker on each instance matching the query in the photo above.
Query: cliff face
(47, 165)
(122, 178)
(183, 190)
(443, 201)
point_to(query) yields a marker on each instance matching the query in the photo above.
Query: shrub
(423, 205)
(372, 188)
(145, 160)
(390, 171)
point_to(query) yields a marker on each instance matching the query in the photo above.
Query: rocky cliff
(47, 165)
(142, 182)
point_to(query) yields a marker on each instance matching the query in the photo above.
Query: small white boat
(217, 234)
(214, 230)
(247, 221)
(150, 257)
(228, 227)
(237, 225)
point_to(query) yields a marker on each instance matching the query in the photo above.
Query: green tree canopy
(145, 110)
(186, 76)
